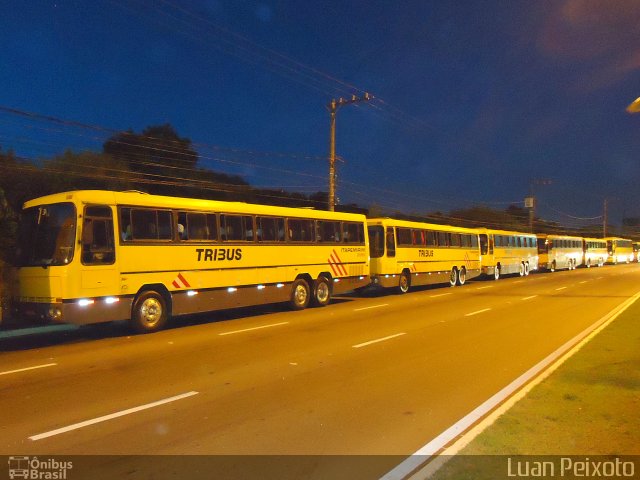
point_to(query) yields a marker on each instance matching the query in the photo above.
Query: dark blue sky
(474, 99)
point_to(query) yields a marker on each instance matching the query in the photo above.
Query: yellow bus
(619, 250)
(560, 251)
(97, 256)
(504, 252)
(405, 254)
(595, 252)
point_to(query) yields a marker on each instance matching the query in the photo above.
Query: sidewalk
(589, 408)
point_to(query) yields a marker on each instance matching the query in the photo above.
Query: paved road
(375, 375)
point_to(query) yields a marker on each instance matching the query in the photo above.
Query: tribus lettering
(218, 254)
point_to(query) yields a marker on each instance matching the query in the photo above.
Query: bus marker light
(191, 293)
(336, 280)
(85, 302)
(232, 289)
(111, 300)
(280, 285)
(261, 287)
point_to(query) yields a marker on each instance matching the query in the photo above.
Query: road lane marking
(378, 340)
(561, 288)
(518, 281)
(477, 312)
(599, 278)
(111, 416)
(584, 281)
(482, 288)
(440, 295)
(421, 464)
(367, 308)
(529, 297)
(28, 368)
(253, 328)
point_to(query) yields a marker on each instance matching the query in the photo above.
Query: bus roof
(386, 221)
(140, 199)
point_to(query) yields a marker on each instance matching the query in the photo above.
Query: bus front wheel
(321, 292)
(496, 272)
(300, 294)
(404, 283)
(149, 312)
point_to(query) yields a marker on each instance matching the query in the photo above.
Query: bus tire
(404, 283)
(149, 312)
(496, 272)
(526, 269)
(321, 292)
(553, 266)
(589, 263)
(521, 269)
(300, 294)
(462, 276)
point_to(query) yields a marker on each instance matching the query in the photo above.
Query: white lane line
(529, 297)
(440, 295)
(561, 288)
(477, 312)
(503, 400)
(482, 288)
(378, 340)
(599, 278)
(111, 416)
(253, 328)
(28, 368)
(368, 308)
(584, 281)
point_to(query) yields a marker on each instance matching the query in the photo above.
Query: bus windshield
(46, 236)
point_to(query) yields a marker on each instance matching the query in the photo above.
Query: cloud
(599, 39)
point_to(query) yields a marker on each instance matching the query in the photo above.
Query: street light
(634, 107)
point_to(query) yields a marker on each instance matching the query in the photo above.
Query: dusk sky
(474, 100)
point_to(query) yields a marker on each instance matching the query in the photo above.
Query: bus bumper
(77, 312)
(384, 281)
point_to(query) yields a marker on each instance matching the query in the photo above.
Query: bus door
(486, 244)
(391, 242)
(98, 256)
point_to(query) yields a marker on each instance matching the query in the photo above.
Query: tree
(161, 158)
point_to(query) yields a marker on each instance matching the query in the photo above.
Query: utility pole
(333, 110)
(530, 201)
(604, 222)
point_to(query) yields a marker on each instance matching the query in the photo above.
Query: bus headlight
(54, 313)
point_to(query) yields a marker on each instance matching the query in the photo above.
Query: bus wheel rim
(150, 311)
(301, 294)
(322, 292)
(404, 283)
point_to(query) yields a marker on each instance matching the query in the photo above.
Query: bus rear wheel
(321, 292)
(496, 272)
(149, 312)
(462, 276)
(526, 269)
(300, 294)
(521, 269)
(453, 277)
